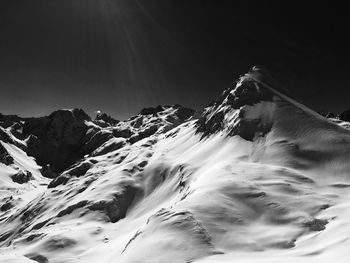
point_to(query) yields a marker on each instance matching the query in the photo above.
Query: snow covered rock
(5, 158)
(105, 120)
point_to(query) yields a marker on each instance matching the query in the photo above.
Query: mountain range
(256, 176)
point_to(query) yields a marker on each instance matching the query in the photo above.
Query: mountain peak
(227, 108)
(247, 109)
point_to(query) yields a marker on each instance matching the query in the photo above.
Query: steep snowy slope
(255, 177)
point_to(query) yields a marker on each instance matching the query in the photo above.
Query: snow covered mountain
(254, 177)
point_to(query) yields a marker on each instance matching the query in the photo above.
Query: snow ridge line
(288, 99)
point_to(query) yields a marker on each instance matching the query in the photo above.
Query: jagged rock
(137, 123)
(209, 125)
(109, 147)
(62, 179)
(245, 93)
(151, 110)
(8, 120)
(5, 158)
(248, 94)
(249, 129)
(33, 143)
(96, 141)
(77, 171)
(71, 208)
(124, 133)
(184, 113)
(5, 137)
(134, 138)
(101, 124)
(106, 118)
(22, 177)
(148, 131)
(80, 169)
(17, 130)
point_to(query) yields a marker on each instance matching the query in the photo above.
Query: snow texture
(256, 177)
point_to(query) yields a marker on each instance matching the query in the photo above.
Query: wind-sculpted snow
(258, 177)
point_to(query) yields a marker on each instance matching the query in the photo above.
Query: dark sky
(119, 56)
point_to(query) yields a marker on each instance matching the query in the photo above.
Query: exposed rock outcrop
(106, 119)
(8, 120)
(57, 139)
(22, 177)
(151, 110)
(122, 132)
(95, 139)
(218, 115)
(5, 158)
(116, 208)
(49, 171)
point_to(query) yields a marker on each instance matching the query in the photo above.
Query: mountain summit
(254, 177)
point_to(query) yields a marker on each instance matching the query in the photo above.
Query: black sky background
(119, 56)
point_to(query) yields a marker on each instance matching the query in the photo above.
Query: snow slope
(255, 177)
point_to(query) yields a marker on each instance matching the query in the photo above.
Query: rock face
(153, 121)
(233, 102)
(8, 120)
(122, 132)
(5, 158)
(106, 119)
(151, 110)
(57, 138)
(116, 208)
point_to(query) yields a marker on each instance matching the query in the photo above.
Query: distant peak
(73, 113)
(152, 110)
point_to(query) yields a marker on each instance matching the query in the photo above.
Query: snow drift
(255, 177)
